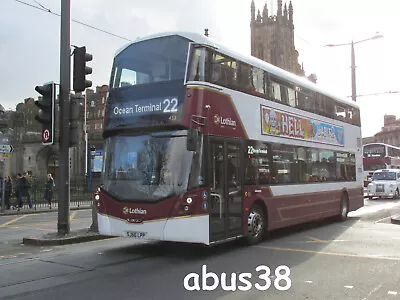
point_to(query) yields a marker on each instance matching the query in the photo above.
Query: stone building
(30, 155)
(272, 37)
(389, 134)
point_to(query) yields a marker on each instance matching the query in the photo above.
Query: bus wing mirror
(192, 138)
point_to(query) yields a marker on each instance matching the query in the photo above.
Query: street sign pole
(3, 187)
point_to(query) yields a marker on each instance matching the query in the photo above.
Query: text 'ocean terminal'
(166, 106)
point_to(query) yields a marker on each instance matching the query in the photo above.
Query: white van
(384, 183)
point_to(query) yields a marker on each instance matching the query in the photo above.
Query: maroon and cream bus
(379, 156)
(204, 145)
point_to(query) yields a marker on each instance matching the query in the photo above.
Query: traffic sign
(6, 148)
(46, 135)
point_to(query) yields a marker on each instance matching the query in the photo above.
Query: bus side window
(245, 78)
(356, 117)
(320, 104)
(329, 107)
(340, 112)
(258, 80)
(275, 91)
(291, 97)
(301, 100)
(284, 94)
(310, 103)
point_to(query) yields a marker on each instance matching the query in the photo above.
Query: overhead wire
(45, 9)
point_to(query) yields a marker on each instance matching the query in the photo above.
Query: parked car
(385, 183)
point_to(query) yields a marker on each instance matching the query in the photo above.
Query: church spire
(265, 13)
(290, 13)
(279, 12)
(253, 11)
(259, 17)
(285, 14)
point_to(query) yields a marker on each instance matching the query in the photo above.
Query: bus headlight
(189, 200)
(97, 197)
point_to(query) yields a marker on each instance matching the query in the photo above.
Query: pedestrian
(8, 191)
(23, 187)
(48, 193)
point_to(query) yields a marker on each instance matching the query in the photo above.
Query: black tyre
(256, 225)
(344, 207)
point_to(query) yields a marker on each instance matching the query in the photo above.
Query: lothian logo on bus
(136, 211)
(218, 120)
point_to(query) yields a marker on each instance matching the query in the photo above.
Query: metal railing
(80, 195)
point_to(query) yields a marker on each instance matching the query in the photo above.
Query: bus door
(226, 209)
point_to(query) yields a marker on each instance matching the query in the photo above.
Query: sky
(30, 41)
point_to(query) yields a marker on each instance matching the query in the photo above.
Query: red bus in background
(205, 145)
(378, 156)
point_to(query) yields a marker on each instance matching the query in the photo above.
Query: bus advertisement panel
(204, 145)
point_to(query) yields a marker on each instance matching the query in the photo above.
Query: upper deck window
(157, 60)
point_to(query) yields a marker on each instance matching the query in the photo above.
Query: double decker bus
(205, 145)
(379, 156)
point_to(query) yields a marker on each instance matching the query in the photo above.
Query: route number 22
(173, 103)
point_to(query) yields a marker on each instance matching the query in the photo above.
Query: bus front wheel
(255, 225)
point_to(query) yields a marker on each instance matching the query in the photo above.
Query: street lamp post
(353, 74)
(353, 62)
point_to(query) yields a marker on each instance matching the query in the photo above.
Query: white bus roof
(202, 39)
(383, 144)
(386, 170)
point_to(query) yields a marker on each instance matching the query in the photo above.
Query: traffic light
(80, 83)
(74, 109)
(45, 115)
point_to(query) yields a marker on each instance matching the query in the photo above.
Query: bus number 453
(170, 105)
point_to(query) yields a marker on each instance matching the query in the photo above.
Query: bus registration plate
(136, 234)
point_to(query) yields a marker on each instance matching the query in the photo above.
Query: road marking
(382, 219)
(392, 293)
(13, 221)
(32, 228)
(373, 291)
(46, 250)
(316, 240)
(329, 253)
(348, 286)
(308, 281)
(7, 256)
(55, 221)
(73, 214)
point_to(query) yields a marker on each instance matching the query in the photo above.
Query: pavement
(394, 219)
(39, 228)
